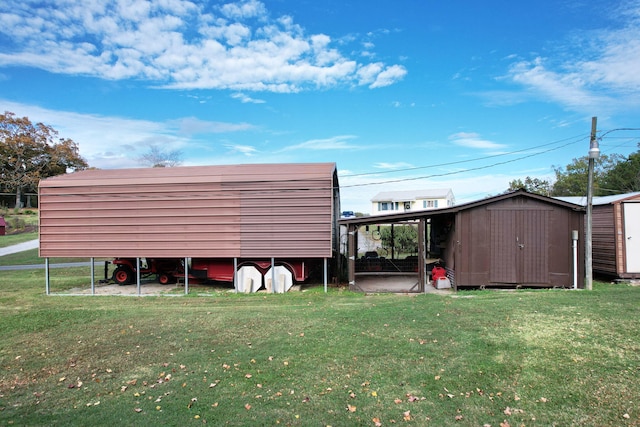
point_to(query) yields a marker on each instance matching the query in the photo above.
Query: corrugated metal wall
(604, 239)
(269, 210)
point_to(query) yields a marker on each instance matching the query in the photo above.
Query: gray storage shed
(616, 234)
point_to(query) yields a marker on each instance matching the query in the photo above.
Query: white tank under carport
(283, 279)
(248, 279)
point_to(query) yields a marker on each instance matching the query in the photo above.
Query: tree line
(30, 152)
(612, 174)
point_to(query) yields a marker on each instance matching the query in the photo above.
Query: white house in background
(388, 202)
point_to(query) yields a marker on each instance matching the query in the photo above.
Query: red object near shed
(3, 226)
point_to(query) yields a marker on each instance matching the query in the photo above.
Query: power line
(577, 139)
(469, 169)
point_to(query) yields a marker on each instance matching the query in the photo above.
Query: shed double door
(519, 246)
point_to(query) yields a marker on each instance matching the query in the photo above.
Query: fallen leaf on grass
(376, 422)
(406, 416)
(248, 376)
(247, 406)
(351, 408)
(138, 410)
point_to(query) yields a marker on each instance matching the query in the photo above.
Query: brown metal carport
(517, 239)
(251, 211)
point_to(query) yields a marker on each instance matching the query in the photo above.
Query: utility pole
(594, 153)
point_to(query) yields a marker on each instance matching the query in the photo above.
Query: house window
(429, 203)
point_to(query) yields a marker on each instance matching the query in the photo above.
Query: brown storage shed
(517, 239)
(244, 211)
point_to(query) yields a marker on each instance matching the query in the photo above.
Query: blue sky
(400, 94)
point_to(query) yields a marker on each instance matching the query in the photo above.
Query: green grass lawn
(14, 239)
(544, 357)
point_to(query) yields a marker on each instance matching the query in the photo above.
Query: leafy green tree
(30, 152)
(624, 177)
(405, 238)
(532, 185)
(572, 179)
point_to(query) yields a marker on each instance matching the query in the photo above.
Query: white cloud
(193, 125)
(392, 166)
(473, 140)
(244, 9)
(245, 99)
(599, 73)
(180, 44)
(340, 142)
(115, 142)
(569, 89)
(247, 150)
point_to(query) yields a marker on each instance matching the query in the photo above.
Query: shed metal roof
(602, 200)
(255, 210)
